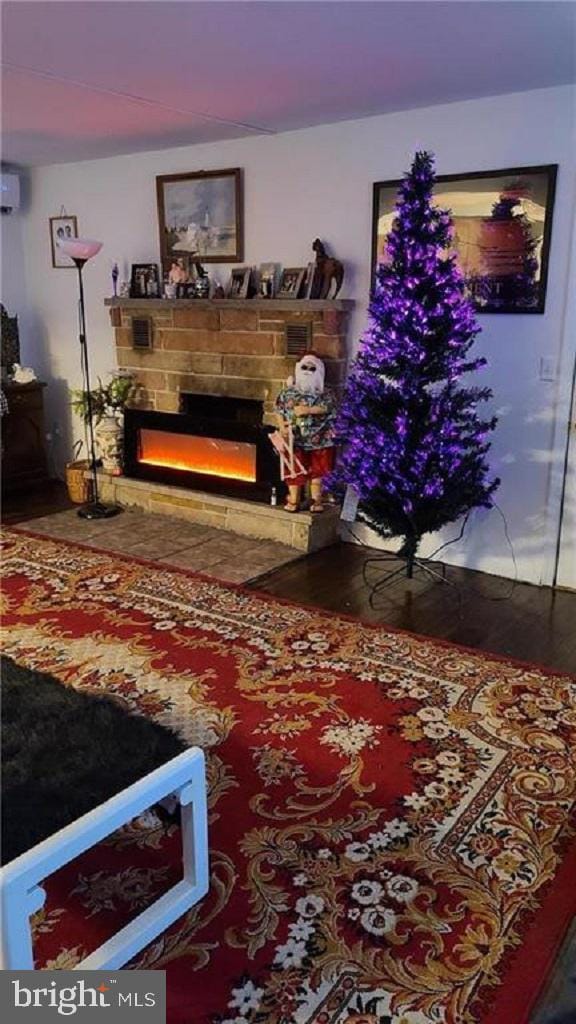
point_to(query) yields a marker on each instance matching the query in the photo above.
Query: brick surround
(224, 347)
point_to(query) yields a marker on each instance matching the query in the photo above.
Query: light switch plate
(547, 368)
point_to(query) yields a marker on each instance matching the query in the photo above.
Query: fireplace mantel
(286, 305)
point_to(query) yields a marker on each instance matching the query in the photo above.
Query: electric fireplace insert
(214, 444)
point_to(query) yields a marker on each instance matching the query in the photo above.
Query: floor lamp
(80, 250)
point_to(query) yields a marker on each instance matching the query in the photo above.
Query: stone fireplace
(208, 373)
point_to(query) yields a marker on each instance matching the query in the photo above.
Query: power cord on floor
(386, 556)
(514, 580)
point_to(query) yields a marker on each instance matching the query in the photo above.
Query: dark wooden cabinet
(23, 438)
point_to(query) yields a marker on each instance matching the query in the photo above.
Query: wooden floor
(25, 505)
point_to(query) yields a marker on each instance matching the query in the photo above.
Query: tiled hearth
(300, 530)
(178, 544)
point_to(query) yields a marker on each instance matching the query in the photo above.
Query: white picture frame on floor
(22, 894)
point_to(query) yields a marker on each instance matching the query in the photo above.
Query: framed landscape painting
(502, 227)
(200, 214)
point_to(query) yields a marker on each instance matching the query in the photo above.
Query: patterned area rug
(391, 819)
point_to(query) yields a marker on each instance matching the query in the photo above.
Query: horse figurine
(327, 270)
(200, 272)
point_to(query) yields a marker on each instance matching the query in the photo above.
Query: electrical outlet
(547, 368)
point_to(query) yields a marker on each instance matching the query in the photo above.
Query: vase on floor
(109, 439)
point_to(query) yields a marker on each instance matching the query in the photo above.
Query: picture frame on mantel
(201, 214)
(502, 230)
(144, 281)
(291, 283)
(239, 287)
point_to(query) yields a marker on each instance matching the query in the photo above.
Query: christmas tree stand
(410, 567)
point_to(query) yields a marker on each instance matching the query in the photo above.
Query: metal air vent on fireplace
(298, 338)
(141, 332)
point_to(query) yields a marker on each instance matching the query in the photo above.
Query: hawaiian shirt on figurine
(308, 411)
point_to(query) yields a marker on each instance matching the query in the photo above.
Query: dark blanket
(64, 752)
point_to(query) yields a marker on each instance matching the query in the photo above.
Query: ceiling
(91, 79)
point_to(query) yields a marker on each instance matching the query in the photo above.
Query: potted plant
(108, 402)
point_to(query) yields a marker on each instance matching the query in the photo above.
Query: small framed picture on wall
(62, 228)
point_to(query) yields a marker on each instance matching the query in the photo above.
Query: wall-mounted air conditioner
(10, 187)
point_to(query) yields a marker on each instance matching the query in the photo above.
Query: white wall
(13, 272)
(319, 182)
(13, 288)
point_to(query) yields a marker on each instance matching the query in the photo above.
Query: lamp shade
(79, 248)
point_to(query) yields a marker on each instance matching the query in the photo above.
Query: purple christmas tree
(414, 447)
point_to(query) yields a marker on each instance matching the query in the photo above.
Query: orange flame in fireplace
(213, 456)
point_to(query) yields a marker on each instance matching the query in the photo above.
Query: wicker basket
(79, 487)
(76, 482)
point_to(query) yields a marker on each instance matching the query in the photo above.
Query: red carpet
(391, 833)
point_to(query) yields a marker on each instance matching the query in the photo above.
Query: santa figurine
(306, 413)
